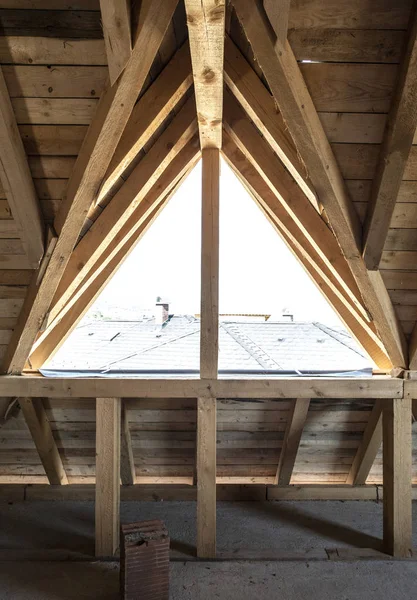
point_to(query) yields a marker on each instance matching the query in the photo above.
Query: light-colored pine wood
(292, 438)
(209, 329)
(399, 135)
(206, 27)
(149, 113)
(368, 449)
(113, 222)
(288, 87)
(315, 267)
(306, 387)
(115, 15)
(95, 156)
(40, 429)
(261, 108)
(57, 331)
(397, 450)
(17, 182)
(278, 12)
(51, 51)
(127, 462)
(107, 476)
(206, 477)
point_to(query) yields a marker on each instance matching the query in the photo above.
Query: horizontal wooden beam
(278, 388)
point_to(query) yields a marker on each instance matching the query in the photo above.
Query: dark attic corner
(208, 250)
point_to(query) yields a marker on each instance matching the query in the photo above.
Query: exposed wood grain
(362, 388)
(107, 476)
(149, 113)
(47, 51)
(17, 182)
(261, 108)
(209, 329)
(206, 475)
(399, 135)
(127, 462)
(368, 449)
(287, 85)
(278, 12)
(101, 141)
(206, 26)
(397, 477)
(292, 438)
(115, 16)
(40, 429)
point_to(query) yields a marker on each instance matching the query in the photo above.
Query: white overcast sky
(258, 274)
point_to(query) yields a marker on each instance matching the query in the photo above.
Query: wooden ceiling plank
(368, 449)
(206, 27)
(59, 329)
(278, 12)
(398, 139)
(363, 331)
(131, 195)
(38, 424)
(99, 145)
(149, 114)
(115, 16)
(292, 438)
(289, 89)
(260, 106)
(17, 182)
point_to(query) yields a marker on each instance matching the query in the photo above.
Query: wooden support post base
(108, 415)
(397, 454)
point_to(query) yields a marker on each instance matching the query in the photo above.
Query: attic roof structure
(106, 106)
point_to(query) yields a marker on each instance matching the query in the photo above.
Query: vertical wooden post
(397, 455)
(209, 346)
(209, 335)
(108, 414)
(206, 477)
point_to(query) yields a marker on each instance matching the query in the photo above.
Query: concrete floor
(306, 534)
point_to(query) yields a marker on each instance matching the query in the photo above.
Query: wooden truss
(209, 102)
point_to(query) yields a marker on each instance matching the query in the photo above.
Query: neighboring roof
(143, 346)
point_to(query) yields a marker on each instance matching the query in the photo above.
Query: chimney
(161, 312)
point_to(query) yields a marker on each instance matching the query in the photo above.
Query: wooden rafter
(99, 145)
(159, 100)
(206, 26)
(278, 12)
(112, 225)
(368, 449)
(247, 138)
(57, 332)
(292, 438)
(38, 424)
(17, 182)
(315, 267)
(398, 139)
(288, 88)
(260, 106)
(115, 15)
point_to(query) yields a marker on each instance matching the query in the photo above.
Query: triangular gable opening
(274, 319)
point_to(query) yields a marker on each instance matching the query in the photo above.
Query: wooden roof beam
(98, 147)
(260, 106)
(17, 182)
(115, 15)
(206, 27)
(362, 330)
(150, 112)
(131, 196)
(278, 12)
(368, 449)
(67, 319)
(398, 139)
(292, 438)
(289, 89)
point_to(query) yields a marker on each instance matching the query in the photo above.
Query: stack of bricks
(144, 561)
